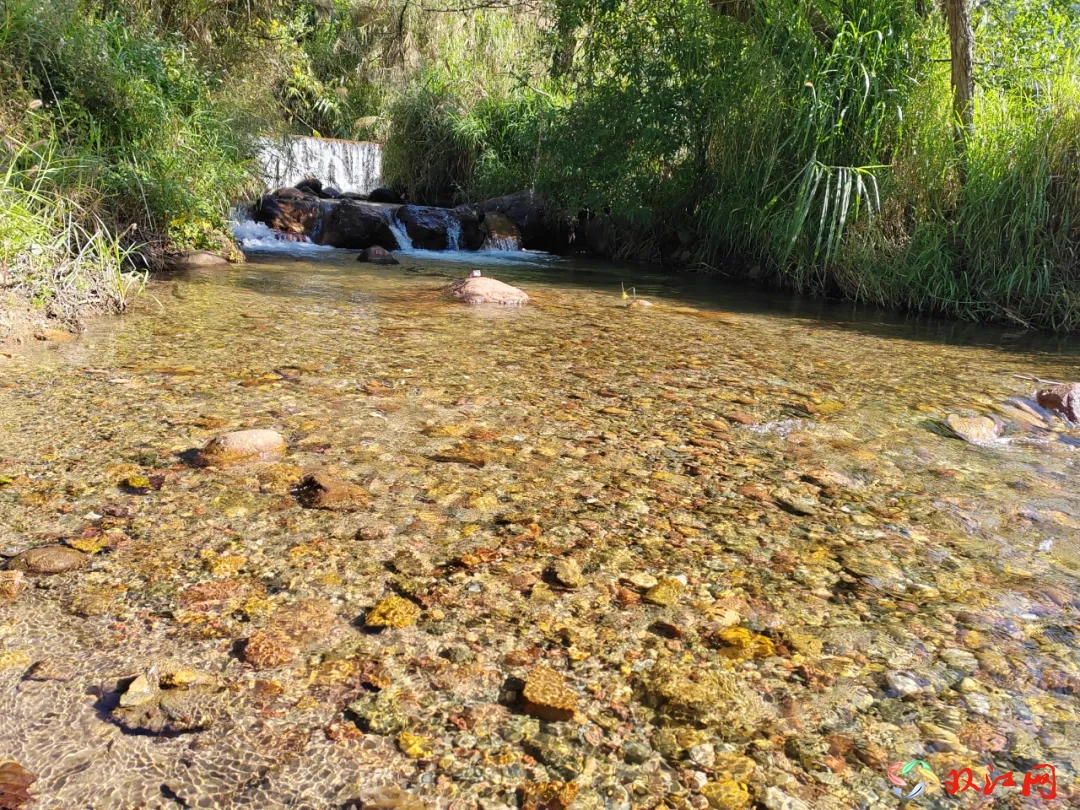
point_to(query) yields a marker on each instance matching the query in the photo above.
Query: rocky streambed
(704, 554)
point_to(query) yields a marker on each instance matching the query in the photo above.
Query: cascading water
(398, 229)
(345, 165)
(453, 234)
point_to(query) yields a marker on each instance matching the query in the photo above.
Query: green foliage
(52, 250)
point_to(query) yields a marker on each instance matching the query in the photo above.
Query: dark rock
(297, 216)
(329, 193)
(355, 226)
(289, 193)
(321, 490)
(377, 255)
(311, 184)
(598, 234)
(426, 226)
(1064, 400)
(385, 195)
(354, 195)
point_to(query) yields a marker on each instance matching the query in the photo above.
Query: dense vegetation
(805, 142)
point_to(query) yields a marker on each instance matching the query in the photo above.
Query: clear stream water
(842, 584)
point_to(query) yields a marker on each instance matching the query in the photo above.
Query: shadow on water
(335, 274)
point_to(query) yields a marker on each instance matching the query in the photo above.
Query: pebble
(268, 650)
(962, 661)
(636, 753)
(12, 583)
(902, 683)
(554, 795)
(567, 573)
(775, 799)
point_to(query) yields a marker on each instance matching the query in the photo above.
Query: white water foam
(405, 244)
(257, 236)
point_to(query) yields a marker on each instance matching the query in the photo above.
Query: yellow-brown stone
(547, 695)
(393, 611)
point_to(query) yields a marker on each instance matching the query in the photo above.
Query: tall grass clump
(54, 252)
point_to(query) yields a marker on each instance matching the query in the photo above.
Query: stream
(723, 544)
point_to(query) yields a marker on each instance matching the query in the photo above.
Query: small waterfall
(453, 234)
(345, 165)
(402, 236)
(502, 243)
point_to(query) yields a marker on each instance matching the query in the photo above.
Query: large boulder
(483, 290)
(287, 214)
(528, 211)
(385, 195)
(355, 226)
(426, 226)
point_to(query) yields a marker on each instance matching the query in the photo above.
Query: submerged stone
(377, 255)
(973, 429)
(242, 445)
(547, 696)
(48, 560)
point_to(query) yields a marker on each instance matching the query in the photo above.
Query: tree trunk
(962, 49)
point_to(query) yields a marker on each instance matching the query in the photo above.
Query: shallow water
(860, 588)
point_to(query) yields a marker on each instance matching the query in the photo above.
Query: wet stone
(12, 583)
(48, 560)
(1064, 400)
(974, 429)
(15, 782)
(322, 490)
(553, 795)
(636, 753)
(268, 650)
(567, 573)
(547, 696)
(484, 290)
(726, 794)
(665, 593)
(240, 446)
(393, 611)
(379, 713)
